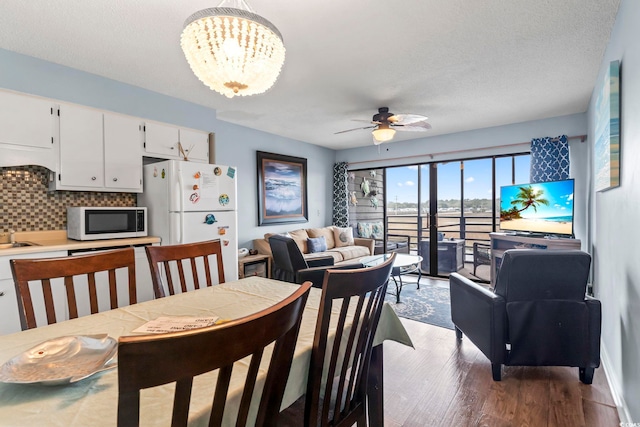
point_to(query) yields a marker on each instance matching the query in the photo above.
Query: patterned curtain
(549, 159)
(340, 201)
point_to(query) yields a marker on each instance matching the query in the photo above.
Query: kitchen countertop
(56, 240)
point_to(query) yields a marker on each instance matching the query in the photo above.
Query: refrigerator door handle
(181, 213)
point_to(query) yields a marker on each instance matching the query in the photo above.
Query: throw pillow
(317, 244)
(377, 230)
(343, 236)
(327, 232)
(364, 230)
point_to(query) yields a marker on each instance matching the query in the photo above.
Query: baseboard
(614, 386)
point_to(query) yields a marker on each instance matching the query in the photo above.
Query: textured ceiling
(465, 64)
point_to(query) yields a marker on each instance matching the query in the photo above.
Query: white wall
(614, 231)
(239, 145)
(235, 145)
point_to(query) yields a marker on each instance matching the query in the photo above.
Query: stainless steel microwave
(94, 223)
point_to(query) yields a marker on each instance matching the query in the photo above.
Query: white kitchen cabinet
(122, 152)
(161, 140)
(9, 317)
(26, 120)
(99, 151)
(27, 130)
(195, 144)
(81, 148)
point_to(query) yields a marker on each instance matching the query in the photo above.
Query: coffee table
(403, 264)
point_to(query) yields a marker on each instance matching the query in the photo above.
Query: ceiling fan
(385, 124)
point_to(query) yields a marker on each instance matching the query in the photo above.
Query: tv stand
(500, 242)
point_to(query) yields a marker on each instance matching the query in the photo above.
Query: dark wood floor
(443, 383)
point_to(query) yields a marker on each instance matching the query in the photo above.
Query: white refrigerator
(192, 202)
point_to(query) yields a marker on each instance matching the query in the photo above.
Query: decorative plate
(61, 360)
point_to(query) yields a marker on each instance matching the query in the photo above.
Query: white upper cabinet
(122, 152)
(164, 141)
(89, 149)
(27, 130)
(26, 120)
(99, 151)
(195, 144)
(81, 148)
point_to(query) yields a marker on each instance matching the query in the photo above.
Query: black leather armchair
(290, 266)
(539, 314)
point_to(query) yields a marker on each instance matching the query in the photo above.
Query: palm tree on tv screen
(528, 197)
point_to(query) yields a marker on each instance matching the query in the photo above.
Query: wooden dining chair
(344, 359)
(170, 263)
(72, 273)
(154, 360)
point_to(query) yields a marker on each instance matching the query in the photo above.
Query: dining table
(93, 401)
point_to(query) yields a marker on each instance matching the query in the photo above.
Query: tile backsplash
(26, 204)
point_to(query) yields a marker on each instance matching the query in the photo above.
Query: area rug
(429, 304)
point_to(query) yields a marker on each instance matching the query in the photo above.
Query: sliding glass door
(402, 189)
(477, 186)
(453, 203)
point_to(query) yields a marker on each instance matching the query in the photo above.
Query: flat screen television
(543, 208)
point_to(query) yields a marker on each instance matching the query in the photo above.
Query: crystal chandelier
(232, 50)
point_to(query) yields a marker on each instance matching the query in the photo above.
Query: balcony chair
(399, 243)
(375, 230)
(481, 255)
(347, 292)
(77, 276)
(538, 314)
(450, 254)
(169, 263)
(290, 266)
(153, 360)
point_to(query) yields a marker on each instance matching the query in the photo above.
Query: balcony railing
(472, 227)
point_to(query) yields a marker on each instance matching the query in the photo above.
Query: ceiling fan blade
(414, 127)
(349, 130)
(407, 119)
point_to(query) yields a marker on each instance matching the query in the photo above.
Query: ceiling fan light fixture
(232, 50)
(383, 133)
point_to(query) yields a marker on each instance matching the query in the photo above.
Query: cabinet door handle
(115, 179)
(1, 293)
(93, 178)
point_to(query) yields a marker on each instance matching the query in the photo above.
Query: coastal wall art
(282, 189)
(607, 133)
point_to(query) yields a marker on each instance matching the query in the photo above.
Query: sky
(402, 182)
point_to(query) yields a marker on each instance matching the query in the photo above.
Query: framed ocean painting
(606, 152)
(282, 189)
